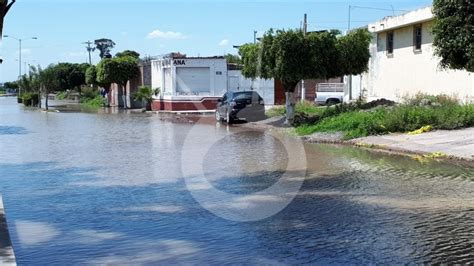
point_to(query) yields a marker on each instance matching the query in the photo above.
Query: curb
(7, 256)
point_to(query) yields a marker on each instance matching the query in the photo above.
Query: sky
(156, 27)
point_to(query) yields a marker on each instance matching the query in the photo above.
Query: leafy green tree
(233, 59)
(11, 85)
(128, 53)
(104, 46)
(5, 6)
(70, 76)
(118, 70)
(290, 56)
(454, 33)
(91, 76)
(48, 81)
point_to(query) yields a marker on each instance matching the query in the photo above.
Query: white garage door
(193, 80)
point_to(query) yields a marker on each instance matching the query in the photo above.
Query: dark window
(417, 37)
(390, 39)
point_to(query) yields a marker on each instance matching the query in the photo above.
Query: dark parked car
(247, 105)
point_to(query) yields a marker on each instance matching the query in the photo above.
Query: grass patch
(92, 99)
(404, 118)
(94, 103)
(276, 111)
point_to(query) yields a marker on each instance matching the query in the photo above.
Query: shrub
(94, 103)
(30, 98)
(89, 94)
(436, 112)
(61, 95)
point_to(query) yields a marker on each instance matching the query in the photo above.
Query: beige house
(403, 62)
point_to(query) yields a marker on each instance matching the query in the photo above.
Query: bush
(89, 94)
(30, 99)
(94, 103)
(61, 95)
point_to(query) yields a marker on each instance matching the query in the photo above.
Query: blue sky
(154, 27)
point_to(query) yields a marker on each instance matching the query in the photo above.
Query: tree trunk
(46, 106)
(290, 102)
(124, 96)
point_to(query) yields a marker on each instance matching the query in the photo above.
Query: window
(390, 39)
(417, 37)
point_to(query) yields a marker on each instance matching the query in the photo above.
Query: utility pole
(255, 37)
(90, 49)
(305, 31)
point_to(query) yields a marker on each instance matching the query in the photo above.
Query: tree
(233, 59)
(5, 6)
(48, 81)
(104, 46)
(128, 53)
(70, 76)
(91, 76)
(118, 70)
(290, 56)
(454, 33)
(11, 85)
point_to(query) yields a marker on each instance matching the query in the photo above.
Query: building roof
(394, 22)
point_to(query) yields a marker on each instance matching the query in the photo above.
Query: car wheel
(218, 116)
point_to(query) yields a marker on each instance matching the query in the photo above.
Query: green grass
(94, 103)
(402, 118)
(306, 108)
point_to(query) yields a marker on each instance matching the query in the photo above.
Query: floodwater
(83, 188)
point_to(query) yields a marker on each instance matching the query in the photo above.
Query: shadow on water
(9, 130)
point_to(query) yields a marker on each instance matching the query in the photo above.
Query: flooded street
(84, 188)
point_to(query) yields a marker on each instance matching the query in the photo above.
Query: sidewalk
(7, 257)
(457, 144)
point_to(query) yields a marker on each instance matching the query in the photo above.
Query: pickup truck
(329, 93)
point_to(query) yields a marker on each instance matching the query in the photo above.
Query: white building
(403, 62)
(195, 83)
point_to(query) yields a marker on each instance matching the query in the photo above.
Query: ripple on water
(10, 130)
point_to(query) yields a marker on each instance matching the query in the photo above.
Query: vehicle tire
(218, 116)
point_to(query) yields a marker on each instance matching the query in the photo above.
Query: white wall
(266, 88)
(408, 72)
(167, 80)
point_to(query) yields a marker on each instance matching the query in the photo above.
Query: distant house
(403, 62)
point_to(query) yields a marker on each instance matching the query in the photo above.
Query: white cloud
(224, 42)
(169, 35)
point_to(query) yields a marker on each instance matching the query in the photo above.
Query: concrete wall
(143, 79)
(266, 88)
(408, 72)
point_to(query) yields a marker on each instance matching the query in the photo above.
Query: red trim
(185, 105)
